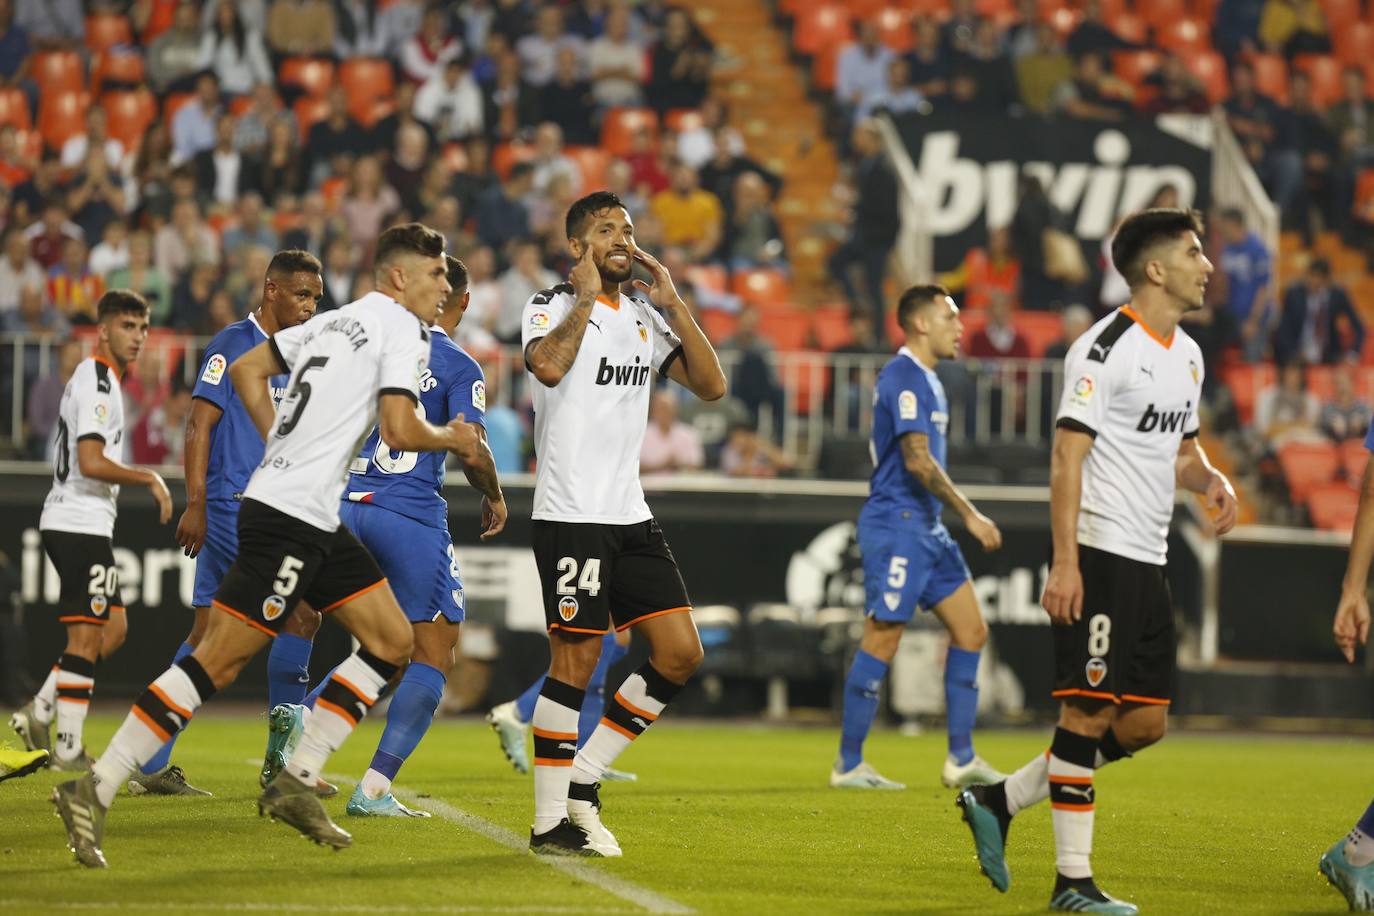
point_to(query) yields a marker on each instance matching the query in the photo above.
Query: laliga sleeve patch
(1082, 390)
(538, 320)
(101, 413)
(479, 395)
(214, 369)
(906, 405)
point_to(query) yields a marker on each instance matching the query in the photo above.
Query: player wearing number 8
(1126, 437)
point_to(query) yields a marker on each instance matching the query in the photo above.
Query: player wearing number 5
(603, 562)
(910, 561)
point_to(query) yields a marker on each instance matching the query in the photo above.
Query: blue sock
(288, 669)
(524, 704)
(860, 706)
(594, 703)
(164, 755)
(408, 718)
(1366, 823)
(319, 688)
(961, 701)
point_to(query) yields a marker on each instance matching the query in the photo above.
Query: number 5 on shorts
(287, 576)
(896, 573)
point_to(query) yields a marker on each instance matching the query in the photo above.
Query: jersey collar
(614, 306)
(112, 367)
(254, 318)
(1131, 313)
(906, 351)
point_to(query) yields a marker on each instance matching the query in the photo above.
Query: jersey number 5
(299, 395)
(589, 582)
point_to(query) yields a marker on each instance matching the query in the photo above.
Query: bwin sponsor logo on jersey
(1165, 421)
(608, 374)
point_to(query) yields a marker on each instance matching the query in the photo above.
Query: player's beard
(615, 275)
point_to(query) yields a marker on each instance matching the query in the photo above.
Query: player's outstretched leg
(288, 679)
(1349, 864)
(75, 683)
(862, 690)
(510, 721)
(159, 776)
(594, 706)
(32, 723)
(14, 764)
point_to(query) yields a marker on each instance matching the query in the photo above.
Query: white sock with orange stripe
(75, 681)
(1072, 799)
(350, 692)
(163, 710)
(555, 744)
(45, 700)
(1028, 785)
(636, 705)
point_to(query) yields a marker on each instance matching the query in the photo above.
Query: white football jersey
(1137, 395)
(92, 408)
(341, 363)
(588, 429)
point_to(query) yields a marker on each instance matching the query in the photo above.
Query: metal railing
(1235, 184)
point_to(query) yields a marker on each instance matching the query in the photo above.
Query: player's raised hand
(585, 275)
(1222, 498)
(163, 497)
(191, 530)
(1352, 623)
(662, 292)
(1063, 598)
(985, 530)
(493, 517)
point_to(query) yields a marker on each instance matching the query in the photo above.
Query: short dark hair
(1233, 215)
(584, 208)
(293, 261)
(917, 298)
(120, 302)
(1142, 231)
(457, 273)
(408, 238)
(1319, 266)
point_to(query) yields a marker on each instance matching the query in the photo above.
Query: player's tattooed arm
(480, 471)
(551, 356)
(923, 466)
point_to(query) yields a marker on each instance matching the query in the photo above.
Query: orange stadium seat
(129, 112)
(894, 29)
(117, 67)
(455, 157)
(762, 286)
(1040, 329)
(1271, 76)
(823, 68)
(57, 70)
(505, 155)
(107, 30)
(822, 24)
(14, 109)
(680, 119)
(1135, 66)
(865, 9)
(1129, 26)
(1354, 457)
(718, 325)
(312, 75)
(1160, 13)
(807, 377)
(994, 7)
(366, 79)
(172, 104)
(710, 276)
(591, 162)
(1244, 381)
(831, 327)
(1325, 72)
(1184, 35)
(1354, 44)
(619, 126)
(62, 115)
(786, 330)
(159, 20)
(1341, 14)
(1306, 466)
(1210, 68)
(1333, 507)
(310, 110)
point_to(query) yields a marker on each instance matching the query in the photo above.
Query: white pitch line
(202, 906)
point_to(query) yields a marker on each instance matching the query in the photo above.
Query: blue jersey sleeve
(910, 403)
(1369, 438)
(213, 383)
(467, 392)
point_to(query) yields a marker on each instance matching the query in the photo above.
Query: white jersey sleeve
(1083, 406)
(545, 310)
(286, 344)
(405, 356)
(666, 343)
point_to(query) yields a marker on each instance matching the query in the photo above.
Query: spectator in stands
(957, 33)
(400, 21)
(337, 134)
(1259, 125)
(998, 338)
(33, 317)
(191, 298)
(429, 50)
(47, 236)
(111, 253)
(52, 23)
(282, 169)
(1287, 411)
(1093, 94)
(95, 135)
(15, 53)
(526, 276)
(729, 161)
(1346, 415)
(254, 124)
(367, 201)
(194, 124)
(184, 241)
(160, 436)
(861, 74)
(15, 165)
(689, 216)
(450, 102)
(360, 29)
(753, 381)
(339, 273)
(1317, 324)
(1319, 148)
(1352, 118)
(409, 164)
(620, 182)
(17, 269)
(1177, 90)
(512, 101)
(680, 65)
(301, 28)
(1235, 28)
(1093, 36)
(1035, 216)
(173, 58)
(234, 53)
(930, 62)
(484, 299)
(72, 287)
(985, 271)
(222, 170)
(1021, 35)
(385, 132)
(501, 212)
(873, 226)
(45, 397)
(669, 444)
(747, 454)
(753, 237)
(990, 67)
(143, 276)
(96, 197)
(1040, 71)
(538, 51)
(901, 95)
(30, 197)
(251, 227)
(1292, 27)
(1077, 319)
(567, 100)
(617, 63)
(1247, 265)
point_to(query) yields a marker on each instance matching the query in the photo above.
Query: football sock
(861, 689)
(164, 754)
(75, 681)
(346, 697)
(1072, 799)
(555, 745)
(1359, 845)
(45, 700)
(162, 711)
(524, 704)
(1109, 750)
(314, 695)
(1030, 785)
(594, 705)
(288, 669)
(636, 705)
(407, 719)
(961, 701)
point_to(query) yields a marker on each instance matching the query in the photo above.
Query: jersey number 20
(389, 462)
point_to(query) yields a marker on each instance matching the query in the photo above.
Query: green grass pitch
(724, 819)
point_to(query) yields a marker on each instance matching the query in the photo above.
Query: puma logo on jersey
(1166, 421)
(607, 374)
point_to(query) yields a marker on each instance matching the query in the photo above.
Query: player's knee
(304, 622)
(971, 638)
(1142, 734)
(394, 644)
(679, 662)
(113, 636)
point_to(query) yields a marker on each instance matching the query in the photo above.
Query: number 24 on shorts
(589, 581)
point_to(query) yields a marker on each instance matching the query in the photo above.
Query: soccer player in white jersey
(1126, 437)
(350, 369)
(78, 521)
(603, 561)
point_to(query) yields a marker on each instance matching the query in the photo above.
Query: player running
(1126, 437)
(1349, 863)
(395, 505)
(350, 369)
(603, 561)
(78, 522)
(222, 449)
(910, 561)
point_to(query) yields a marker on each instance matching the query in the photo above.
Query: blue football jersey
(908, 399)
(411, 483)
(236, 447)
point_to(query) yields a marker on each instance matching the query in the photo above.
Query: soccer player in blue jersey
(909, 559)
(395, 504)
(222, 449)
